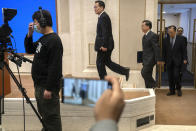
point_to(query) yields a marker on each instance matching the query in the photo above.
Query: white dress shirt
(101, 13)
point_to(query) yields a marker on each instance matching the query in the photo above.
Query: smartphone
(80, 91)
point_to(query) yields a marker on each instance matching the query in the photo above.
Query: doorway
(181, 15)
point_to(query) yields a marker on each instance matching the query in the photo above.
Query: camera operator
(46, 68)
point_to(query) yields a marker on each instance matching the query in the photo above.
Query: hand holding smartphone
(80, 91)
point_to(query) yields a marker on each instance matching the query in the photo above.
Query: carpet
(174, 110)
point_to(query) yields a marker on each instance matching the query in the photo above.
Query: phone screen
(83, 91)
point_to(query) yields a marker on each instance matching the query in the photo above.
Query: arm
(30, 47)
(105, 125)
(156, 47)
(55, 64)
(184, 49)
(164, 50)
(186, 41)
(105, 33)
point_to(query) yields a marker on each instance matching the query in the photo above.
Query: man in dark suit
(165, 34)
(104, 44)
(180, 32)
(151, 53)
(175, 56)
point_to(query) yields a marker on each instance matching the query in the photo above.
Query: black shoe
(155, 86)
(171, 93)
(127, 75)
(179, 93)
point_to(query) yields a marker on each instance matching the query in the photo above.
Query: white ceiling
(176, 8)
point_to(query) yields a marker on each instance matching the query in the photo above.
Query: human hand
(30, 29)
(103, 49)
(111, 103)
(47, 94)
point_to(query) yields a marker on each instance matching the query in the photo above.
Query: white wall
(130, 31)
(189, 47)
(171, 19)
(184, 22)
(192, 17)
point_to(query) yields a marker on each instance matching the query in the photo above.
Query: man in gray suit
(151, 53)
(109, 108)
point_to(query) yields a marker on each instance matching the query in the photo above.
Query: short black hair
(148, 23)
(180, 28)
(46, 15)
(172, 27)
(101, 3)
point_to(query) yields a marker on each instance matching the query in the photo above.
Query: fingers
(31, 24)
(102, 103)
(117, 93)
(111, 104)
(115, 83)
(47, 95)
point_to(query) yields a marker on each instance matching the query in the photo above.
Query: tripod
(22, 90)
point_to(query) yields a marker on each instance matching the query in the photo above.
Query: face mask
(36, 29)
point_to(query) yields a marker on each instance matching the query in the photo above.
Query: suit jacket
(186, 42)
(177, 54)
(104, 35)
(151, 49)
(105, 125)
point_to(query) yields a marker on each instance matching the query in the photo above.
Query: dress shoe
(155, 86)
(150, 87)
(127, 75)
(179, 93)
(171, 93)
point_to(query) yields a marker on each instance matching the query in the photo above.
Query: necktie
(172, 42)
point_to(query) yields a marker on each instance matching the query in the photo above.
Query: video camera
(5, 30)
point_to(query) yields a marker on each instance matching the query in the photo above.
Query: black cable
(24, 118)
(23, 97)
(14, 42)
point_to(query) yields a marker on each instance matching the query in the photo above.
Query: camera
(5, 30)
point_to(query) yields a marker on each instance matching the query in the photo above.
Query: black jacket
(186, 42)
(177, 54)
(104, 35)
(47, 63)
(151, 49)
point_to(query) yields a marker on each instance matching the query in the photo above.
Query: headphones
(42, 20)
